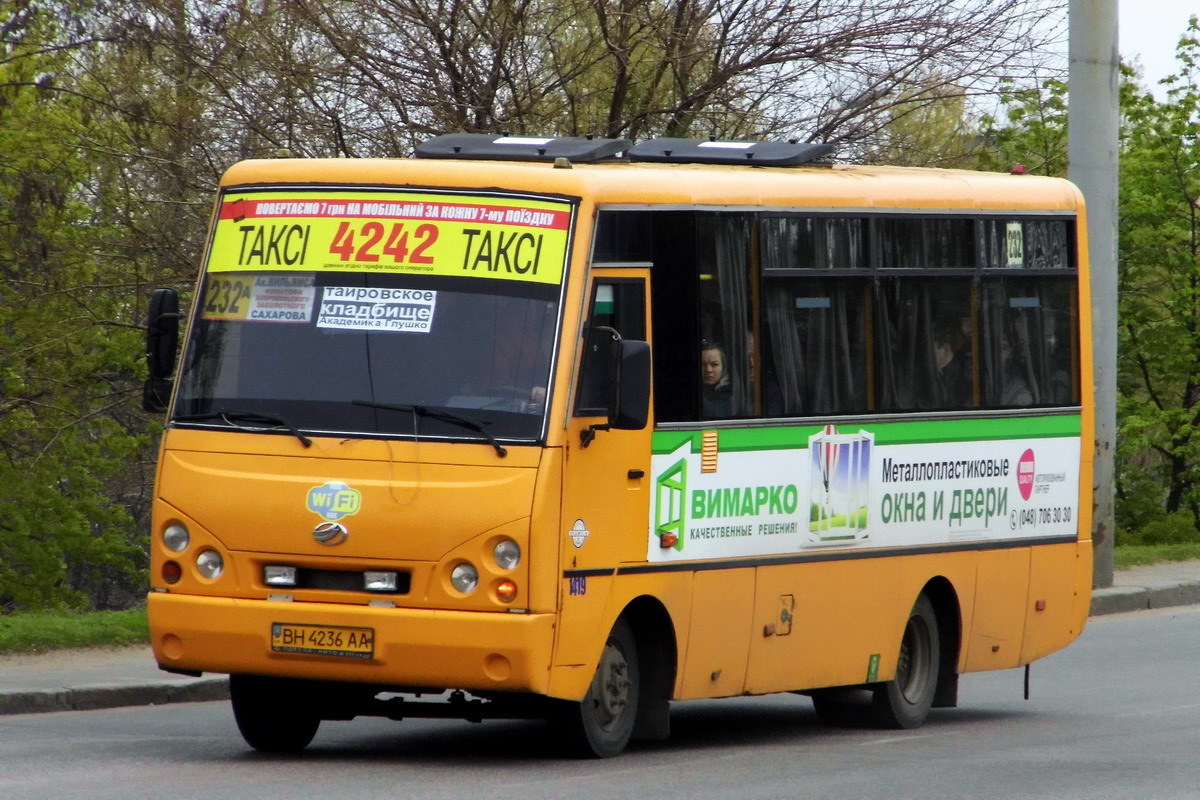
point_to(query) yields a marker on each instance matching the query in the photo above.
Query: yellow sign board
(423, 233)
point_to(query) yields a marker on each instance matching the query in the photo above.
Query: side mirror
(630, 408)
(162, 342)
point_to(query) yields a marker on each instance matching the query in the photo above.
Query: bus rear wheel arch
(925, 671)
(905, 700)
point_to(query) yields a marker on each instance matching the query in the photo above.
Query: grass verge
(1138, 555)
(42, 632)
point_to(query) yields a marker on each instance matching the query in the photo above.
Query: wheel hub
(612, 695)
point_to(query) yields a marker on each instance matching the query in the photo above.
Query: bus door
(606, 480)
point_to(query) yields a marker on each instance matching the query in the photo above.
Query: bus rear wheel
(905, 700)
(269, 715)
(601, 725)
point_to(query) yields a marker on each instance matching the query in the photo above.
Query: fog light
(464, 578)
(176, 537)
(210, 564)
(506, 591)
(279, 575)
(172, 572)
(507, 554)
(379, 581)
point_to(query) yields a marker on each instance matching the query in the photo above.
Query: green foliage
(71, 444)
(1034, 133)
(1159, 290)
(1177, 528)
(39, 632)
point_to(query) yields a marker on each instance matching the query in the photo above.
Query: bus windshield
(372, 311)
(360, 353)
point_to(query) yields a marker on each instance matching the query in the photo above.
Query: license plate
(323, 640)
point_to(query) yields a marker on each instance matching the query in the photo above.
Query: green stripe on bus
(886, 433)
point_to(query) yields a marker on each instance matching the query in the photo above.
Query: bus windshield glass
(380, 324)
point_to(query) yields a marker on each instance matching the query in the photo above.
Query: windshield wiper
(233, 417)
(444, 416)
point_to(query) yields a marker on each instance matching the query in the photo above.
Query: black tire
(268, 714)
(600, 725)
(905, 700)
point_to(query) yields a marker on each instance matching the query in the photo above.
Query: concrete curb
(1120, 599)
(91, 698)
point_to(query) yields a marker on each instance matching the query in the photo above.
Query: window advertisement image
(775, 491)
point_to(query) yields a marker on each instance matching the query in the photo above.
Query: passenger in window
(952, 360)
(716, 384)
(1015, 389)
(1059, 389)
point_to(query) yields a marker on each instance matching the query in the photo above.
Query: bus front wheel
(270, 717)
(600, 725)
(905, 700)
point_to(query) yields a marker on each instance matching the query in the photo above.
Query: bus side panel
(998, 625)
(722, 614)
(1084, 577)
(827, 639)
(846, 615)
(1052, 618)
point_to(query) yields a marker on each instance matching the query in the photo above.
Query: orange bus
(573, 428)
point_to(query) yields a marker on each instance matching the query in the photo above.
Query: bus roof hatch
(489, 146)
(716, 151)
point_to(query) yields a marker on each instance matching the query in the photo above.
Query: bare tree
(822, 69)
(372, 77)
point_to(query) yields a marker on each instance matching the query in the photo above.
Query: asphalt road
(1117, 715)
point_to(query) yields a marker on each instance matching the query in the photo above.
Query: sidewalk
(78, 680)
(1155, 586)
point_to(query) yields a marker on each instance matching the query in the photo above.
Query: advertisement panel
(774, 491)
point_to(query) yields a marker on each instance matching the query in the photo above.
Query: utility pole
(1092, 157)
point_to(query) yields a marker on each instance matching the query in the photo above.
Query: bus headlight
(176, 537)
(464, 577)
(507, 554)
(210, 564)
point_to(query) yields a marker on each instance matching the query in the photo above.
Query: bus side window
(724, 353)
(923, 343)
(617, 304)
(815, 346)
(1029, 353)
(1027, 349)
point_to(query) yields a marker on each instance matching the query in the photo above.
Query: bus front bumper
(412, 648)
